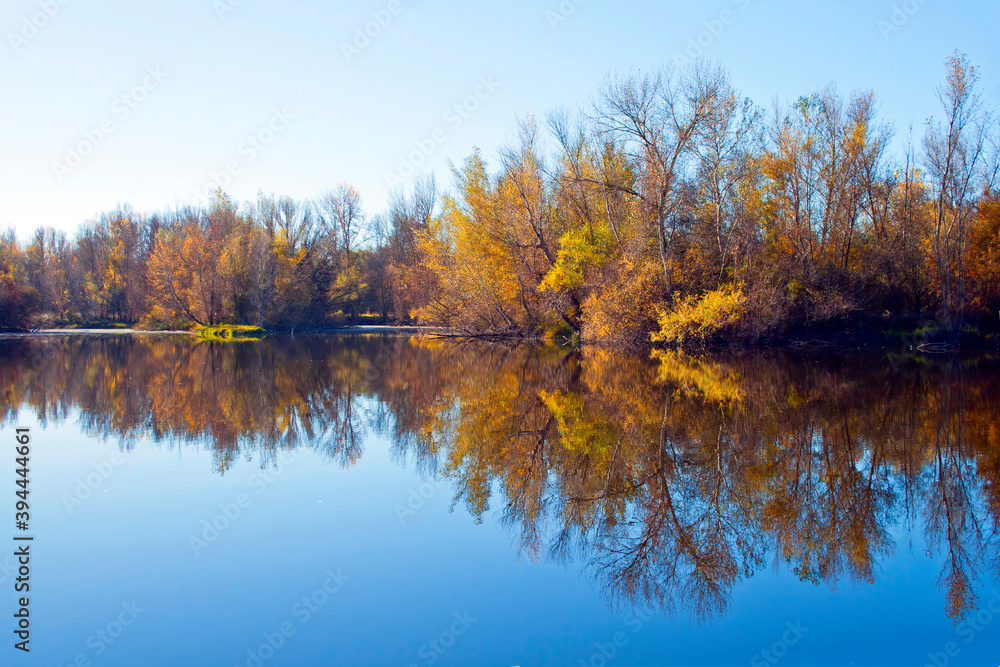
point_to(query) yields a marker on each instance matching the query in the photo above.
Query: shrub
(701, 318)
(161, 319)
(231, 332)
(17, 304)
(617, 313)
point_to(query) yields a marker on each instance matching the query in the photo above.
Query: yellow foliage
(482, 252)
(580, 432)
(701, 317)
(620, 311)
(700, 377)
(984, 257)
(579, 249)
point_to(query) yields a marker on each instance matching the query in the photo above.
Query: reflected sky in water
(401, 501)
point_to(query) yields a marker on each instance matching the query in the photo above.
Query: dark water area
(393, 500)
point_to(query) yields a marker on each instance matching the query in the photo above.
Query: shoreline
(833, 342)
(361, 328)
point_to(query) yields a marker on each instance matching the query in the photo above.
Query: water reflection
(670, 479)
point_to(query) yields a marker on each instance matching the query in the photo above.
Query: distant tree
(17, 302)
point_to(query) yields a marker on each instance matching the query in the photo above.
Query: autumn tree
(342, 219)
(17, 302)
(413, 283)
(955, 152)
(187, 269)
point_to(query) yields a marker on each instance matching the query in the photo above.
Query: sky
(153, 104)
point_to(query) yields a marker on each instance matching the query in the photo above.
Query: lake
(391, 500)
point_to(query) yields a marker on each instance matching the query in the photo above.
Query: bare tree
(955, 152)
(657, 117)
(342, 215)
(726, 143)
(295, 220)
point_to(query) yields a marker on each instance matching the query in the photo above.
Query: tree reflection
(670, 479)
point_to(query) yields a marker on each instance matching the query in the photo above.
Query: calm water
(394, 501)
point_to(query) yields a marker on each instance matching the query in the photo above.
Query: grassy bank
(230, 332)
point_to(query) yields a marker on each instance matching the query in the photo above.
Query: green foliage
(230, 332)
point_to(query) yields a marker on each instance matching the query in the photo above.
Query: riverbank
(359, 329)
(90, 332)
(829, 339)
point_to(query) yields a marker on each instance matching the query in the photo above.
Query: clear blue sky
(229, 64)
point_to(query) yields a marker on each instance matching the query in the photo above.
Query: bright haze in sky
(153, 103)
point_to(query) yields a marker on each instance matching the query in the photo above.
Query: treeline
(672, 208)
(677, 208)
(276, 261)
